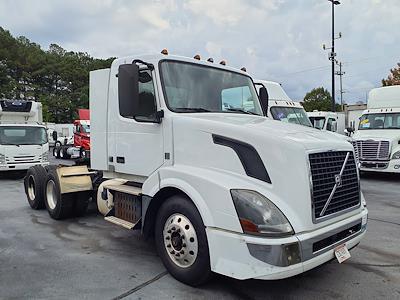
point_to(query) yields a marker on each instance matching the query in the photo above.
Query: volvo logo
(338, 180)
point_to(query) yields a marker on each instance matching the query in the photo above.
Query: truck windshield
(22, 135)
(380, 121)
(293, 115)
(86, 128)
(195, 88)
(318, 122)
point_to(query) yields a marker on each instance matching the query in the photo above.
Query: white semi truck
(186, 158)
(23, 138)
(377, 140)
(281, 107)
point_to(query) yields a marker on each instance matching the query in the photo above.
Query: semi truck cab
(377, 140)
(188, 157)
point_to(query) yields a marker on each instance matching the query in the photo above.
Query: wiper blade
(241, 111)
(191, 109)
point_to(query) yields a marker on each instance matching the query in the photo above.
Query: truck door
(139, 140)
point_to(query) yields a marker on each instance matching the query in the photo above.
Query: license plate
(342, 253)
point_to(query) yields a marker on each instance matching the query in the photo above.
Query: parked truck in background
(188, 157)
(79, 145)
(329, 121)
(23, 138)
(377, 140)
(280, 106)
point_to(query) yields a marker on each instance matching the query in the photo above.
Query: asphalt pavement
(88, 258)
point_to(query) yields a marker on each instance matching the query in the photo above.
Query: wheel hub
(180, 240)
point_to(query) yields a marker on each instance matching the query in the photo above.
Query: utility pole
(340, 73)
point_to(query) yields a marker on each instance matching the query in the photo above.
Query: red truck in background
(81, 147)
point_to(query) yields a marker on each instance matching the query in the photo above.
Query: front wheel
(181, 241)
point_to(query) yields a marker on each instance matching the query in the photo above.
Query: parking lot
(93, 259)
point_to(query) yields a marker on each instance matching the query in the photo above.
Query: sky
(279, 40)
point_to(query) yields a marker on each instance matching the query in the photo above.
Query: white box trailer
(23, 139)
(377, 140)
(187, 159)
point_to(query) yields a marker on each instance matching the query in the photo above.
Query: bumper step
(120, 222)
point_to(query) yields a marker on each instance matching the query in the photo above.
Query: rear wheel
(34, 186)
(182, 242)
(58, 205)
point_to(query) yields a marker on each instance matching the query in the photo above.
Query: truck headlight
(2, 159)
(45, 156)
(258, 215)
(396, 155)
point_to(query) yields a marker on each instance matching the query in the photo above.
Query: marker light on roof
(222, 62)
(164, 51)
(210, 59)
(197, 57)
(243, 69)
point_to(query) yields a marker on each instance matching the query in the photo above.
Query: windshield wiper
(241, 111)
(191, 109)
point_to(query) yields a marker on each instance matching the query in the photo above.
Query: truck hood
(264, 128)
(283, 148)
(391, 135)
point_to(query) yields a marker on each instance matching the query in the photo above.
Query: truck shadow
(391, 177)
(12, 175)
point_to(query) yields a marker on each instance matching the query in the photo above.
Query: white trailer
(377, 140)
(23, 140)
(188, 157)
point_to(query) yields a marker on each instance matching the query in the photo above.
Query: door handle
(120, 159)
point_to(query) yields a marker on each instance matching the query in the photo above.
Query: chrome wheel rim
(31, 188)
(51, 194)
(180, 240)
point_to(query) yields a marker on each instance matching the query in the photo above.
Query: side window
(147, 100)
(331, 125)
(237, 97)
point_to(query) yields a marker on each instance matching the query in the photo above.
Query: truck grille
(325, 170)
(372, 150)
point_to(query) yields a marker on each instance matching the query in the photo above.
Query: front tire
(181, 241)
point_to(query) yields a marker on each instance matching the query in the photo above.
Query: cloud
(275, 39)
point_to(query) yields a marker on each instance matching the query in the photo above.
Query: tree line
(58, 78)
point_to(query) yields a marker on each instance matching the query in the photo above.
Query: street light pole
(333, 54)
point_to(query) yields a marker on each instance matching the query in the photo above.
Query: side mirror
(54, 135)
(128, 89)
(263, 95)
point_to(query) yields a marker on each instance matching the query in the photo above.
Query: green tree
(393, 78)
(319, 99)
(56, 77)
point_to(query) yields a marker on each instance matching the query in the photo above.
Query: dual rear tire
(42, 188)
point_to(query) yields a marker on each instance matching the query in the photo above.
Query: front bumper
(390, 166)
(20, 166)
(243, 257)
